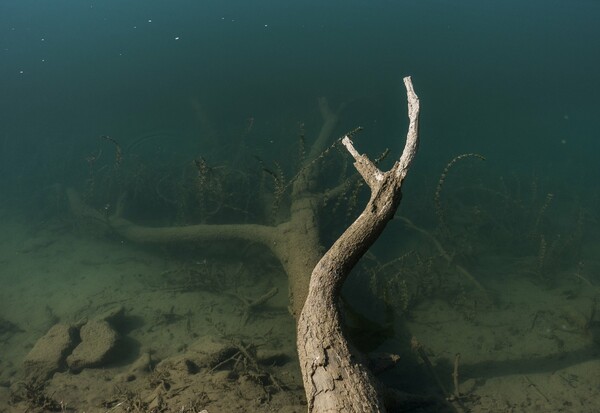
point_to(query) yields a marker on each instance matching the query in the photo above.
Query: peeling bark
(335, 379)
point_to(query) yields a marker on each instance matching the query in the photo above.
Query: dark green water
(228, 81)
(498, 78)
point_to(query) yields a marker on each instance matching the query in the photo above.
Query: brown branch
(334, 378)
(150, 235)
(295, 243)
(367, 169)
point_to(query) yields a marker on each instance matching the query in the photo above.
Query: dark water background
(173, 81)
(512, 80)
(515, 81)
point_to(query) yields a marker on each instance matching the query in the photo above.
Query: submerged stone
(48, 354)
(98, 340)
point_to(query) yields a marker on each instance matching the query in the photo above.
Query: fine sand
(189, 342)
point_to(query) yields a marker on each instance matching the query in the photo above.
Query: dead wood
(294, 242)
(335, 379)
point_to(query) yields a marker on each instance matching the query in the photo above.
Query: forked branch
(334, 378)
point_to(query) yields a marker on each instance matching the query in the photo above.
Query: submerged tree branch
(152, 235)
(295, 243)
(334, 378)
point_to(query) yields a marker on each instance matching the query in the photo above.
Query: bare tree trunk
(295, 242)
(334, 378)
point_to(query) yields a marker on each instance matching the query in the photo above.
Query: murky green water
(188, 112)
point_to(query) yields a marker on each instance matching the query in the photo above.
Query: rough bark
(334, 378)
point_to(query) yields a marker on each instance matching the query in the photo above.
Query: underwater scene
(172, 172)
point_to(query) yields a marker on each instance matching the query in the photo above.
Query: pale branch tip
(334, 377)
(347, 142)
(412, 136)
(367, 169)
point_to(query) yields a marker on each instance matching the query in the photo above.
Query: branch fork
(334, 378)
(367, 169)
